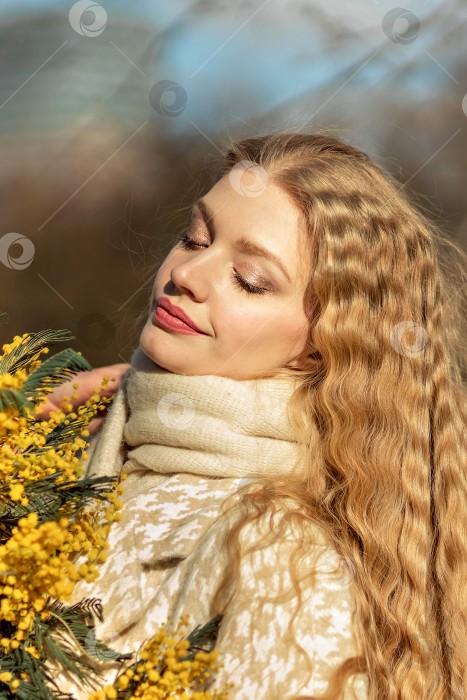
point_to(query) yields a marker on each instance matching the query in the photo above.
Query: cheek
(278, 328)
(262, 325)
(233, 315)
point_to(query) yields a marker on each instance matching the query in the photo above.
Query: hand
(87, 382)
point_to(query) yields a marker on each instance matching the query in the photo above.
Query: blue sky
(277, 57)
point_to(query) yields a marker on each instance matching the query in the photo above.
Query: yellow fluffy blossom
(46, 553)
(165, 668)
(38, 557)
(19, 433)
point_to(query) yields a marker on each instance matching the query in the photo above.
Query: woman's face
(245, 333)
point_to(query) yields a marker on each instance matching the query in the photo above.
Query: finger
(95, 425)
(114, 372)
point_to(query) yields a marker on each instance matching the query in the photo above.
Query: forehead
(270, 218)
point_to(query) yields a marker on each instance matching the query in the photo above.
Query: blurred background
(113, 116)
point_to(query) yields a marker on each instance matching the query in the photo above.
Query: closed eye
(189, 244)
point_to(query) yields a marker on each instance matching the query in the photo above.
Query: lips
(177, 312)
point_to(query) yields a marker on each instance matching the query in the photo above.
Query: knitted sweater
(187, 443)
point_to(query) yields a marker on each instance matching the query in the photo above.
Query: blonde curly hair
(381, 422)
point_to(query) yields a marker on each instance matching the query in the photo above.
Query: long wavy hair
(380, 413)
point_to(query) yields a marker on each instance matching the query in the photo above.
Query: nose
(191, 277)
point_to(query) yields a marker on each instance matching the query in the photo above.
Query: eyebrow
(243, 244)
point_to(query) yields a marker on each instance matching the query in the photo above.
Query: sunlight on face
(249, 308)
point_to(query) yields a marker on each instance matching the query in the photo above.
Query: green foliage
(203, 639)
(52, 642)
(13, 398)
(46, 498)
(21, 356)
(53, 371)
(56, 370)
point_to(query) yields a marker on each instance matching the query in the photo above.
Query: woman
(307, 412)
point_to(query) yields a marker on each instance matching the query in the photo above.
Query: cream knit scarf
(161, 423)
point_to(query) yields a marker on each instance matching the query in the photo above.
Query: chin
(155, 343)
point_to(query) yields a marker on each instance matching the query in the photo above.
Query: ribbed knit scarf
(163, 423)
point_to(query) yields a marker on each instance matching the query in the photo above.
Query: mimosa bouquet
(49, 516)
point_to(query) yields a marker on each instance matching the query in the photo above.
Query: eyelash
(186, 242)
